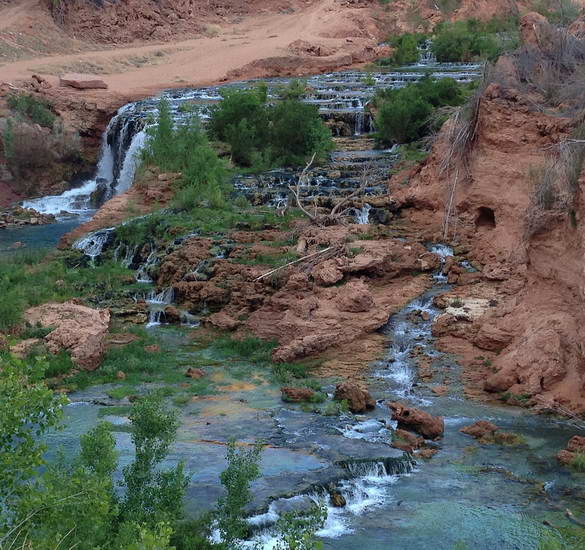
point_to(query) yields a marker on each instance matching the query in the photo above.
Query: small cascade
(369, 485)
(409, 332)
(157, 302)
(92, 245)
(142, 274)
(129, 253)
(426, 55)
(131, 162)
(362, 216)
(359, 123)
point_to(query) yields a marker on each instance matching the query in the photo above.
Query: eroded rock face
(406, 441)
(80, 330)
(421, 422)
(357, 396)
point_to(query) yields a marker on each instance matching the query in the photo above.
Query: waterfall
(142, 273)
(442, 251)
(93, 244)
(362, 216)
(426, 55)
(359, 123)
(120, 145)
(157, 302)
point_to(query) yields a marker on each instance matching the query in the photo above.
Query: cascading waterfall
(142, 274)
(362, 216)
(368, 485)
(93, 244)
(399, 367)
(157, 302)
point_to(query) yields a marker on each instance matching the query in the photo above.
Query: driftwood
(337, 213)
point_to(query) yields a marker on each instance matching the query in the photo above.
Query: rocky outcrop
(80, 330)
(357, 396)
(82, 81)
(421, 422)
(575, 446)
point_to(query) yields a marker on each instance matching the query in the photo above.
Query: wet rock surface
(427, 425)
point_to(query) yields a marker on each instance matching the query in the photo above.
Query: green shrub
(249, 349)
(578, 462)
(262, 135)
(37, 110)
(473, 40)
(405, 49)
(404, 114)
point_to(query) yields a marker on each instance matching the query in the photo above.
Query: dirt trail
(205, 60)
(14, 13)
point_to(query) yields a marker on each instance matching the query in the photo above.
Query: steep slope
(519, 322)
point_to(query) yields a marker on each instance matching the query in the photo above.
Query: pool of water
(35, 236)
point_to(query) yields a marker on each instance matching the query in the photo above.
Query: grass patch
(250, 349)
(578, 462)
(36, 110)
(121, 410)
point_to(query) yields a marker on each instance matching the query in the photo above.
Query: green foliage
(473, 39)
(250, 349)
(296, 89)
(578, 462)
(28, 409)
(335, 408)
(186, 149)
(37, 110)
(193, 535)
(152, 495)
(262, 135)
(297, 531)
(243, 468)
(405, 49)
(566, 538)
(297, 132)
(404, 113)
(8, 139)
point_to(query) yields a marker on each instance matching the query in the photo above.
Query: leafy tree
(28, 409)
(243, 468)
(297, 531)
(152, 495)
(297, 132)
(405, 49)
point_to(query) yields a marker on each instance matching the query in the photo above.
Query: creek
(467, 495)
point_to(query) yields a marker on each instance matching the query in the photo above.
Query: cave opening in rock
(485, 218)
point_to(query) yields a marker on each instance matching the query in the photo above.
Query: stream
(468, 495)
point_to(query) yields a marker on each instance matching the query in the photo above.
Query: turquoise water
(36, 236)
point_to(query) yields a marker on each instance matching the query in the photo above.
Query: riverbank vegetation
(81, 502)
(405, 114)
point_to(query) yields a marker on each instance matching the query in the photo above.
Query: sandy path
(204, 60)
(13, 13)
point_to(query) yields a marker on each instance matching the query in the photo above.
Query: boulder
(421, 422)
(357, 396)
(492, 338)
(296, 395)
(480, 429)
(337, 499)
(78, 329)
(82, 81)
(406, 441)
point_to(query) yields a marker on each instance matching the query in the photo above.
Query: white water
(77, 201)
(93, 243)
(141, 274)
(370, 487)
(157, 302)
(131, 162)
(362, 216)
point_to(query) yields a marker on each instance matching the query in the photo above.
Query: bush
(405, 49)
(37, 110)
(557, 11)
(474, 40)
(262, 135)
(404, 114)
(186, 149)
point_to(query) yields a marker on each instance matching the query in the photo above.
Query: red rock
(406, 441)
(480, 429)
(152, 349)
(440, 390)
(427, 453)
(82, 81)
(357, 396)
(120, 375)
(296, 395)
(430, 427)
(78, 329)
(576, 445)
(492, 338)
(355, 297)
(195, 374)
(327, 273)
